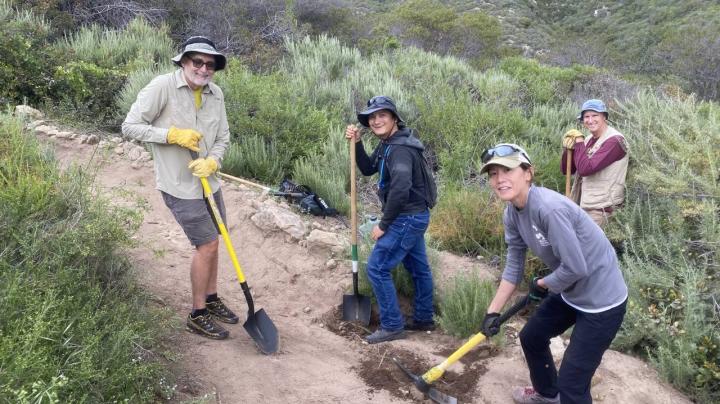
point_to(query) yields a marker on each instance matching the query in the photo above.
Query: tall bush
(69, 303)
(251, 157)
(671, 234)
(327, 172)
(26, 68)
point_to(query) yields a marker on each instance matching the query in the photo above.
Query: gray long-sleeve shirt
(584, 266)
(169, 101)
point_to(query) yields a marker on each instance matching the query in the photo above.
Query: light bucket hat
(376, 104)
(200, 44)
(592, 105)
(508, 155)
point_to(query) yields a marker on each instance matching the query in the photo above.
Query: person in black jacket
(400, 234)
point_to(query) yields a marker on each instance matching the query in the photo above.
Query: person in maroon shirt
(600, 162)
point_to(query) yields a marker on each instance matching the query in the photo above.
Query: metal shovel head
(434, 394)
(263, 331)
(356, 308)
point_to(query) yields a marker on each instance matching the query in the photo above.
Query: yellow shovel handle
(223, 230)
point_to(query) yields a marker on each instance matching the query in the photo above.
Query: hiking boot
(221, 312)
(528, 395)
(206, 326)
(382, 335)
(412, 325)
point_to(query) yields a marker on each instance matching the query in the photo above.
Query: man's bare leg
(203, 273)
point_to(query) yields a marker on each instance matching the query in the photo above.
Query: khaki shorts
(195, 218)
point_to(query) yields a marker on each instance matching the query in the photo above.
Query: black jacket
(403, 187)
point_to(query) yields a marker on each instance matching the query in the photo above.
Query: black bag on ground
(308, 200)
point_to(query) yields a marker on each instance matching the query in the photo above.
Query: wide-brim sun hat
(378, 103)
(593, 105)
(200, 44)
(508, 155)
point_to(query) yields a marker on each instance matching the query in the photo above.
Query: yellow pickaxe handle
(435, 373)
(207, 191)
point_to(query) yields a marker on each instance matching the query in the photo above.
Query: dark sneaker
(221, 312)
(206, 326)
(382, 335)
(528, 395)
(412, 325)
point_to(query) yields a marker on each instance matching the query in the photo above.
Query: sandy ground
(321, 359)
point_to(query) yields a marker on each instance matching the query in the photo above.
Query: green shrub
(135, 82)
(464, 304)
(28, 60)
(438, 28)
(69, 303)
(251, 157)
(543, 84)
(264, 106)
(670, 232)
(327, 173)
(86, 92)
(468, 221)
(139, 45)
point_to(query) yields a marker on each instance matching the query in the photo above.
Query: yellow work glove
(203, 167)
(187, 138)
(570, 137)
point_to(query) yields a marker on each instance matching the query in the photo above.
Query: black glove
(491, 324)
(537, 292)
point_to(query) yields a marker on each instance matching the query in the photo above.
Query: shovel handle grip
(435, 373)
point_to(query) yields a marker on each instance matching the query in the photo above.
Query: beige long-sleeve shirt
(168, 101)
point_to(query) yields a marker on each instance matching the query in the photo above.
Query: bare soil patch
(321, 360)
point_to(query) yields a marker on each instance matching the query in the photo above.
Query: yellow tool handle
(435, 373)
(218, 219)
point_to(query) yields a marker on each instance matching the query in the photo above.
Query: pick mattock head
(425, 387)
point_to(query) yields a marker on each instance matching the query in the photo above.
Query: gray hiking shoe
(528, 395)
(382, 335)
(221, 312)
(206, 326)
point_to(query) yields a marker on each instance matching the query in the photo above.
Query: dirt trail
(321, 360)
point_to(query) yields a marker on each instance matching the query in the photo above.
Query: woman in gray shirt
(585, 288)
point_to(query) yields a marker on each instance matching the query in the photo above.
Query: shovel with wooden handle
(568, 168)
(258, 324)
(355, 307)
(424, 382)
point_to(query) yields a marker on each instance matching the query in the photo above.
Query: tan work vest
(606, 187)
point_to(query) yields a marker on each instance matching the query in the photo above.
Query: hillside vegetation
(293, 115)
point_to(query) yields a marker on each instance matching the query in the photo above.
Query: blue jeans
(591, 336)
(403, 241)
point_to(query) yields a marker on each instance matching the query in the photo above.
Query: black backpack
(308, 200)
(429, 180)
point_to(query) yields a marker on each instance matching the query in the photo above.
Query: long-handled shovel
(423, 383)
(258, 324)
(356, 307)
(568, 168)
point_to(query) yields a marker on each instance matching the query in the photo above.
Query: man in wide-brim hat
(179, 113)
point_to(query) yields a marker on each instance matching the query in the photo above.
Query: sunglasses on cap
(503, 150)
(198, 63)
(379, 99)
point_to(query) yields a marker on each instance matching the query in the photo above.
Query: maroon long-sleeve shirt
(610, 151)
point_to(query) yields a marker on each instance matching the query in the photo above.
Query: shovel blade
(440, 397)
(356, 308)
(263, 331)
